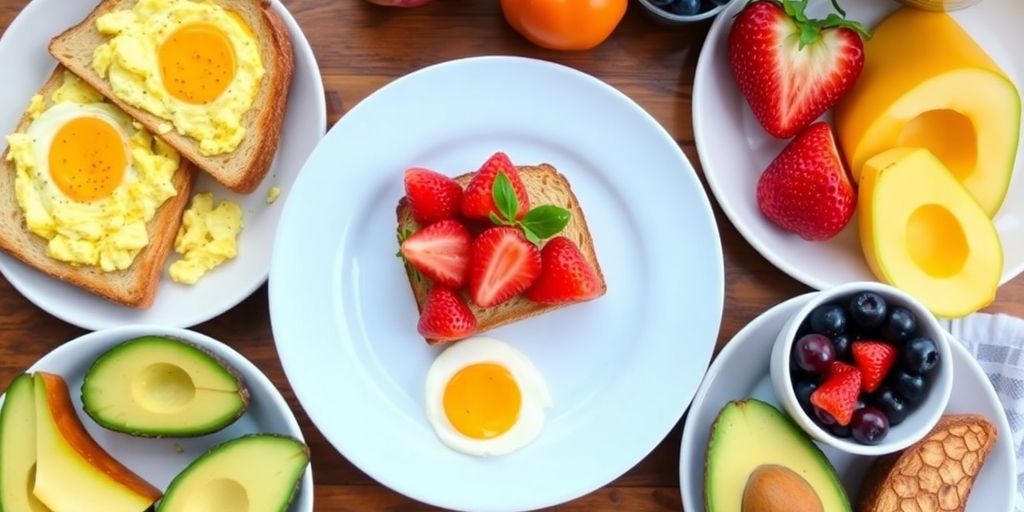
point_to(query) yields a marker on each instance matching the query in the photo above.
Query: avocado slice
(155, 386)
(750, 434)
(18, 448)
(253, 473)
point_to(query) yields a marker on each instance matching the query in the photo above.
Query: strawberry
(432, 196)
(806, 189)
(441, 252)
(874, 359)
(838, 394)
(792, 69)
(502, 264)
(565, 275)
(445, 316)
(478, 200)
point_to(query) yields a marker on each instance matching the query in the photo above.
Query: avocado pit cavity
(774, 488)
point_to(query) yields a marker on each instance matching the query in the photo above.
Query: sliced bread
(135, 286)
(544, 185)
(243, 169)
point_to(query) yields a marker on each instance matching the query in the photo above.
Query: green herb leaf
(531, 236)
(505, 197)
(403, 235)
(545, 221)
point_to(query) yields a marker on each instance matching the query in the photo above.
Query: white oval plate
(734, 149)
(158, 461)
(621, 369)
(23, 48)
(741, 371)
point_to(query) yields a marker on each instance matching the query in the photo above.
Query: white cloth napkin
(997, 342)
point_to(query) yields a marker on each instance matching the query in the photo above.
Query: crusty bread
(243, 169)
(544, 185)
(934, 475)
(135, 286)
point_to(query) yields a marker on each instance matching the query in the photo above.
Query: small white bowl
(918, 422)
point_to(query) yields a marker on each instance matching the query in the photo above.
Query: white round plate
(158, 461)
(23, 47)
(741, 371)
(621, 369)
(734, 149)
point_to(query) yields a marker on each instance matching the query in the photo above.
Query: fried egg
(485, 398)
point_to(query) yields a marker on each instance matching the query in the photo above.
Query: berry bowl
(681, 12)
(863, 367)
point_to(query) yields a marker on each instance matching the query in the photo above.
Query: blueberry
(803, 390)
(920, 355)
(684, 7)
(823, 418)
(841, 344)
(867, 310)
(828, 319)
(869, 425)
(839, 430)
(892, 404)
(913, 387)
(899, 326)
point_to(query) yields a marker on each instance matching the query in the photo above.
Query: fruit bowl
(910, 369)
(706, 10)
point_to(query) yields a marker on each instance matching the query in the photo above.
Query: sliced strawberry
(838, 394)
(806, 189)
(565, 276)
(441, 252)
(502, 264)
(874, 359)
(478, 200)
(432, 196)
(789, 68)
(445, 316)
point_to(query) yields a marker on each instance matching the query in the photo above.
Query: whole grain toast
(243, 169)
(935, 474)
(544, 185)
(135, 286)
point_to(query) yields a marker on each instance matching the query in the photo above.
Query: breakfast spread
(485, 398)
(486, 244)
(208, 237)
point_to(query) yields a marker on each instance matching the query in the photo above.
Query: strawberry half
(565, 276)
(806, 189)
(790, 68)
(445, 316)
(502, 264)
(874, 359)
(441, 252)
(432, 196)
(838, 394)
(478, 199)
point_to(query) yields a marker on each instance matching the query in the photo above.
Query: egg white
(534, 392)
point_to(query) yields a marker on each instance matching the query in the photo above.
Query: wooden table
(361, 47)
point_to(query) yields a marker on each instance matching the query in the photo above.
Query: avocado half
(749, 434)
(156, 386)
(253, 473)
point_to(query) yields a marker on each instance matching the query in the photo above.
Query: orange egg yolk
(197, 63)
(87, 159)
(482, 401)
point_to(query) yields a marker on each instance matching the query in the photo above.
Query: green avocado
(18, 448)
(749, 434)
(254, 473)
(161, 387)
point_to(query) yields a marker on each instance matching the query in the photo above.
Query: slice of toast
(935, 474)
(544, 185)
(243, 169)
(135, 286)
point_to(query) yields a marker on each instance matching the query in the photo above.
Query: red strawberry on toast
(566, 275)
(432, 195)
(478, 199)
(445, 316)
(441, 252)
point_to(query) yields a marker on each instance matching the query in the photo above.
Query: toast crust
(243, 169)
(544, 185)
(135, 286)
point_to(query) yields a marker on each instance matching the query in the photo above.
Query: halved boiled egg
(485, 398)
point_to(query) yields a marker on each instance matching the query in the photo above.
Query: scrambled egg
(87, 180)
(194, 64)
(273, 194)
(208, 237)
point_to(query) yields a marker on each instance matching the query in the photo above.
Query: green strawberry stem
(810, 29)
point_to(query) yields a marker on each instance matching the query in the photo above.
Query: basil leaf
(531, 236)
(546, 221)
(505, 197)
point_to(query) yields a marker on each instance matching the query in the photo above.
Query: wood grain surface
(361, 47)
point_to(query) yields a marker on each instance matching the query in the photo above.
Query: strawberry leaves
(810, 29)
(542, 222)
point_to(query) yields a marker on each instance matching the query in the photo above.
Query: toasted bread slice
(135, 286)
(243, 169)
(934, 475)
(544, 185)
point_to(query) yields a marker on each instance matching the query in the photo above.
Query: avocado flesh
(156, 386)
(18, 448)
(750, 433)
(256, 473)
